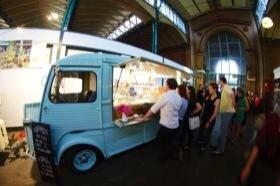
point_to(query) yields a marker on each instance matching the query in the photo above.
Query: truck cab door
(71, 101)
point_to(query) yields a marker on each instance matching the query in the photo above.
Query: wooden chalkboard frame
(43, 151)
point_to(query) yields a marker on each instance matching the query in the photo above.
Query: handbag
(194, 123)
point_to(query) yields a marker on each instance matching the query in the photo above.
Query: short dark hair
(214, 85)
(191, 92)
(266, 105)
(199, 94)
(240, 90)
(172, 83)
(182, 91)
(223, 79)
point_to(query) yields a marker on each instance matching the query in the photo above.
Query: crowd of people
(214, 115)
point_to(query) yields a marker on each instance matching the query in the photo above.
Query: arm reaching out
(250, 162)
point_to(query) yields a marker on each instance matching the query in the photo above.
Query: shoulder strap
(202, 110)
(214, 100)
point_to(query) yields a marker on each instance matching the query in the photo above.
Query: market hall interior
(78, 76)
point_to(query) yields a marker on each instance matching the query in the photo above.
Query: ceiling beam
(84, 21)
(39, 23)
(122, 22)
(22, 21)
(194, 2)
(6, 18)
(25, 13)
(10, 7)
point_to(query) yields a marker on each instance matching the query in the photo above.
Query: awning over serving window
(165, 62)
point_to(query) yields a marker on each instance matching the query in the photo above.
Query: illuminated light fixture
(49, 17)
(52, 16)
(267, 22)
(19, 29)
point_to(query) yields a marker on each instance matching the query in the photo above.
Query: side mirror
(56, 70)
(122, 66)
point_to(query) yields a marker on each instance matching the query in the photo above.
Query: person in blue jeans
(227, 109)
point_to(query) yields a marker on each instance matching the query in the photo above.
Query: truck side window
(73, 87)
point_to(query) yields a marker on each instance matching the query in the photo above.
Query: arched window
(225, 56)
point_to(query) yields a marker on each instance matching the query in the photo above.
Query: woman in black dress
(209, 114)
(194, 109)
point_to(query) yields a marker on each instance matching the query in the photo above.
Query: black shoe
(202, 149)
(213, 148)
(200, 142)
(181, 155)
(186, 147)
(162, 160)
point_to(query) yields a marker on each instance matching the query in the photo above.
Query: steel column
(68, 15)
(155, 27)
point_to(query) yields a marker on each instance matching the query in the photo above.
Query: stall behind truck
(4, 141)
(81, 102)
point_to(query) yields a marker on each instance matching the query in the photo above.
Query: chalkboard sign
(44, 154)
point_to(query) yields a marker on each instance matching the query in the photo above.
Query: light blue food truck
(80, 101)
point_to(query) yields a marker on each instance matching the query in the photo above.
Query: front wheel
(82, 159)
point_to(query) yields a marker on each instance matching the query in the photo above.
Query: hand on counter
(140, 119)
(147, 116)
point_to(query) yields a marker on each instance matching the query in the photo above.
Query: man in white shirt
(169, 105)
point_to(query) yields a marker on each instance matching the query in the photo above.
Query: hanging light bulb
(53, 16)
(267, 22)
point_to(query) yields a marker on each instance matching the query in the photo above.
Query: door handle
(98, 109)
(45, 108)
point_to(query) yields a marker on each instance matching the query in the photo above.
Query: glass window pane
(73, 87)
(70, 86)
(126, 24)
(133, 19)
(138, 20)
(166, 10)
(225, 55)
